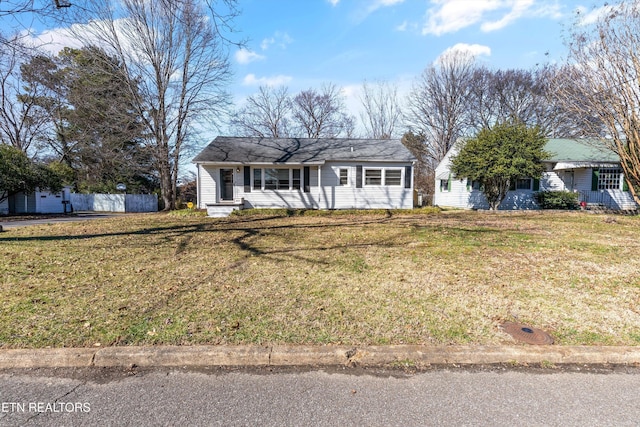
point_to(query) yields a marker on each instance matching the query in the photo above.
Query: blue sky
(304, 43)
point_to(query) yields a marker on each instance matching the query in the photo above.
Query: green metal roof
(580, 150)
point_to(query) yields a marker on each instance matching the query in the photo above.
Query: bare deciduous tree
(14, 7)
(273, 113)
(382, 114)
(438, 104)
(264, 114)
(177, 69)
(321, 114)
(423, 175)
(602, 83)
(514, 94)
(22, 124)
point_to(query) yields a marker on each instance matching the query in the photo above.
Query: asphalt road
(335, 397)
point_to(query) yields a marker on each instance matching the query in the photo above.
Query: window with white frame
(295, 181)
(344, 176)
(373, 177)
(392, 177)
(444, 185)
(609, 179)
(277, 179)
(523, 184)
(257, 179)
(475, 185)
(386, 177)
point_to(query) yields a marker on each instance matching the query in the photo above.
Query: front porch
(608, 199)
(223, 209)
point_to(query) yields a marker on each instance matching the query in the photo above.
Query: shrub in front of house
(557, 200)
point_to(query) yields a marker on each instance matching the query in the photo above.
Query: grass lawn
(421, 278)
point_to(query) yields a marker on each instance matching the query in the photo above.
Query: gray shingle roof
(302, 150)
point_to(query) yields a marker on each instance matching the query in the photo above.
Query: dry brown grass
(443, 278)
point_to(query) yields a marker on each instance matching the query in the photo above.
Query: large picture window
(609, 179)
(277, 179)
(387, 177)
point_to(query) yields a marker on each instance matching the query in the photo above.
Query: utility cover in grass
(527, 334)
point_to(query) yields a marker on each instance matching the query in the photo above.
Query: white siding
(325, 189)
(291, 199)
(552, 181)
(207, 184)
(47, 202)
(336, 196)
(582, 179)
(23, 203)
(460, 196)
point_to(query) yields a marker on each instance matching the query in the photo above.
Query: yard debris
(527, 334)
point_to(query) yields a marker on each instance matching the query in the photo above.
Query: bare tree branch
(22, 125)
(602, 83)
(321, 114)
(264, 114)
(382, 112)
(177, 67)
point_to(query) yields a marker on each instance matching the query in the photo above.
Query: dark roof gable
(302, 150)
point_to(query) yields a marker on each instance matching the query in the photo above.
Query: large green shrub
(557, 200)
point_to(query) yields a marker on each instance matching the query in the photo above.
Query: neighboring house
(40, 202)
(582, 166)
(299, 173)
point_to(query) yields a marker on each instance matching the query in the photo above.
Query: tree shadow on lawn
(256, 226)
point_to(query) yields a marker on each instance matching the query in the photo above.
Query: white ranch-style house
(582, 166)
(304, 173)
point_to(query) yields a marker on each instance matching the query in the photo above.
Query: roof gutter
(315, 163)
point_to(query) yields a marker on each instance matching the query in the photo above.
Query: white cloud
(377, 4)
(53, 41)
(279, 80)
(245, 56)
(519, 10)
(279, 39)
(373, 5)
(402, 27)
(449, 16)
(473, 49)
(588, 18)
(334, 2)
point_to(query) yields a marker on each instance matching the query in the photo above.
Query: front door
(226, 184)
(568, 180)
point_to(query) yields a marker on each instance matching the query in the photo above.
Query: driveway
(16, 221)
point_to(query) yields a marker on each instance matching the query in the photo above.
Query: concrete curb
(168, 356)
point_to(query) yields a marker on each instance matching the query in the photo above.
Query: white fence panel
(141, 203)
(114, 202)
(81, 202)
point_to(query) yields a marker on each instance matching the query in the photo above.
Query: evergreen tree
(497, 157)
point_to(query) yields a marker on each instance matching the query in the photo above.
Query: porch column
(198, 197)
(319, 185)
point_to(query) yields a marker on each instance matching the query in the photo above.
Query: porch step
(221, 211)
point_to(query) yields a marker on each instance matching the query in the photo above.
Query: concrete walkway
(401, 355)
